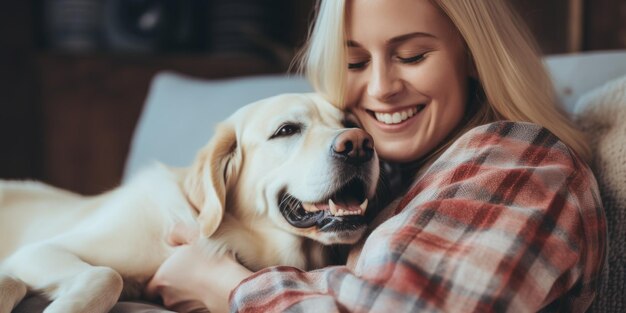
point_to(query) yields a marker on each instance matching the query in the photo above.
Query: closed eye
(357, 65)
(411, 60)
(286, 130)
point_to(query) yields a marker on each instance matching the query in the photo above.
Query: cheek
(438, 78)
(356, 88)
(447, 90)
(353, 89)
(362, 115)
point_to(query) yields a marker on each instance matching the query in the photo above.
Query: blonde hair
(511, 75)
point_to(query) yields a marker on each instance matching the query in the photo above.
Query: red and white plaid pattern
(508, 219)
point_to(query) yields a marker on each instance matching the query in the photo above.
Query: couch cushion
(576, 74)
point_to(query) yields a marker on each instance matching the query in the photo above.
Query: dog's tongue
(338, 209)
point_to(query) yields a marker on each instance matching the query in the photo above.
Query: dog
(280, 179)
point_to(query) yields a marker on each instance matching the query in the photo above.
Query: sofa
(180, 113)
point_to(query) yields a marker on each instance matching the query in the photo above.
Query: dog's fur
(83, 252)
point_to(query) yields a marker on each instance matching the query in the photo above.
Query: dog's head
(291, 160)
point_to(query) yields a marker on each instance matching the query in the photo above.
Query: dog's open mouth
(347, 205)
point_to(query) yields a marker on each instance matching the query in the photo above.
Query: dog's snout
(355, 145)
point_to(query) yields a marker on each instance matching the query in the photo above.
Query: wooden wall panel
(19, 110)
(548, 21)
(563, 26)
(605, 25)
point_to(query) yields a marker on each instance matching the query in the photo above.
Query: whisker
(292, 203)
(283, 200)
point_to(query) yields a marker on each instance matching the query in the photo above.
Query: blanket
(601, 113)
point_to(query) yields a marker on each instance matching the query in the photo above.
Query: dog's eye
(286, 130)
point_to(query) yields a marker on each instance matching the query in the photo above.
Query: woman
(502, 213)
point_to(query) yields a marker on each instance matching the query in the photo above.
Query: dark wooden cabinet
(90, 105)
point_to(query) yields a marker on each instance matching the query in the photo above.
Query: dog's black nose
(354, 145)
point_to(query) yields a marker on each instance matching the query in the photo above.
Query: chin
(397, 152)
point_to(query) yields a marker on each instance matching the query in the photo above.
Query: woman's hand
(191, 281)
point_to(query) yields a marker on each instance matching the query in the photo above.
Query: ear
(206, 182)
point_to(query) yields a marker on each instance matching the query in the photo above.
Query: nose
(384, 82)
(354, 145)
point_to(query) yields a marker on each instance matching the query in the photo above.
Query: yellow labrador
(281, 177)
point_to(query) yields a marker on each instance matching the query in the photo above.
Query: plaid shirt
(507, 219)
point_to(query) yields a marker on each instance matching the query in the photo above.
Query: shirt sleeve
(507, 219)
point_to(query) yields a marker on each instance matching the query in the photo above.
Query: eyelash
(411, 60)
(356, 66)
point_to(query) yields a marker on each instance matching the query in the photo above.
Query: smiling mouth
(347, 204)
(397, 117)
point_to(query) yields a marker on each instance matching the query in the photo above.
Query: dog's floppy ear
(207, 181)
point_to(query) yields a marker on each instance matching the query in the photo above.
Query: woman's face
(407, 75)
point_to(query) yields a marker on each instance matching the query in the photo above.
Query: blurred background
(74, 73)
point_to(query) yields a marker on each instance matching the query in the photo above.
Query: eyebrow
(395, 40)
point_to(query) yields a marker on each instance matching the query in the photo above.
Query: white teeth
(336, 210)
(333, 207)
(387, 118)
(396, 117)
(363, 205)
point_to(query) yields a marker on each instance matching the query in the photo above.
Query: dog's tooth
(363, 205)
(341, 212)
(333, 207)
